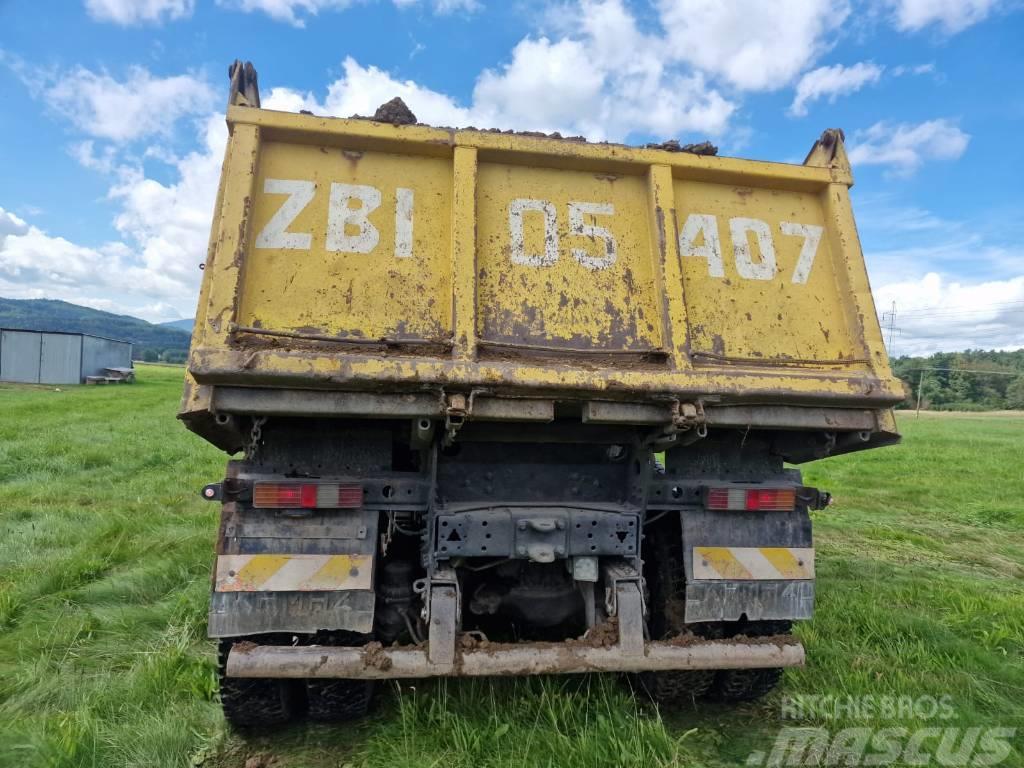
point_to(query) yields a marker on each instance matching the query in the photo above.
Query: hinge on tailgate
(687, 416)
(455, 412)
(688, 426)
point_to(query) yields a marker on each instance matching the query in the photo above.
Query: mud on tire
(737, 685)
(334, 700)
(666, 581)
(251, 702)
(338, 700)
(743, 684)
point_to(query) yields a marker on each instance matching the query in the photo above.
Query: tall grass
(104, 562)
(104, 572)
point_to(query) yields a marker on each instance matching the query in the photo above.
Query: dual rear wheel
(254, 702)
(665, 578)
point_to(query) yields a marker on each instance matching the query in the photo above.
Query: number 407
(704, 226)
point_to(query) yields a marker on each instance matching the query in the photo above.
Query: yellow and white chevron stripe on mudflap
(293, 573)
(753, 563)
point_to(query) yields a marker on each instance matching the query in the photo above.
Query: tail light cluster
(307, 496)
(751, 499)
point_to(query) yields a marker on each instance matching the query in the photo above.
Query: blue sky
(112, 129)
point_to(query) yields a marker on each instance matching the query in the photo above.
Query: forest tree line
(956, 389)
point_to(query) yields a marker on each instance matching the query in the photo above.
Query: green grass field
(105, 550)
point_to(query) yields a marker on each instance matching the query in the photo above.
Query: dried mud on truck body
(512, 405)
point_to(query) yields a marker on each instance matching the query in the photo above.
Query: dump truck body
(451, 358)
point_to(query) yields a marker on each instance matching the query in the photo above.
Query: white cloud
(168, 225)
(919, 69)
(297, 12)
(139, 106)
(131, 12)
(360, 90)
(832, 82)
(288, 11)
(951, 15)
(952, 281)
(34, 264)
(905, 146)
(753, 45)
(10, 224)
(452, 6)
(86, 154)
(939, 314)
(153, 270)
(605, 82)
(442, 7)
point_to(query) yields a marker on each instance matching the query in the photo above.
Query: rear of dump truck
(513, 405)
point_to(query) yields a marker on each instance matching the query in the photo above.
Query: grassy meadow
(105, 551)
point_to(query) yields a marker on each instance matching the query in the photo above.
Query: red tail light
(307, 496)
(751, 499)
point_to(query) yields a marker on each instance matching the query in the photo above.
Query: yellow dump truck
(509, 404)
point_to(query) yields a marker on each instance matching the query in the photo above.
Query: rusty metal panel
(761, 281)
(564, 259)
(349, 244)
(349, 255)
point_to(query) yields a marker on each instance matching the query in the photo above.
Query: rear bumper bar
(374, 662)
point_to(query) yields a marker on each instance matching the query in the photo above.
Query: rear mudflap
(744, 564)
(281, 572)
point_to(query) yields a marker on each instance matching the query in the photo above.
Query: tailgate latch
(688, 426)
(455, 413)
(687, 416)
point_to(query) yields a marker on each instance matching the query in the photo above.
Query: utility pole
(920, 389)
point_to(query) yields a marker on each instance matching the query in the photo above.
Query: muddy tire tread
(253, 702)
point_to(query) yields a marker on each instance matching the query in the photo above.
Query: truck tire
(336, 700)
(666, 583)
(253, 702)
(738, 685)
(333, 701)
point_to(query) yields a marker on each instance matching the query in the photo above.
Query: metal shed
(52, 357)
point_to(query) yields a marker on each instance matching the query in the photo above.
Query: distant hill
(185, 324)
(152, 342)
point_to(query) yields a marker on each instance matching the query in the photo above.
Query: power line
(1011, 306)
(971, 370)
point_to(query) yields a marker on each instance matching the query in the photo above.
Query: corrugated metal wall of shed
(60, 359)
(98, 354)
(19, 356)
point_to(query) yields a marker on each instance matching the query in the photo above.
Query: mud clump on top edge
(395, 112)
(672, 145)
